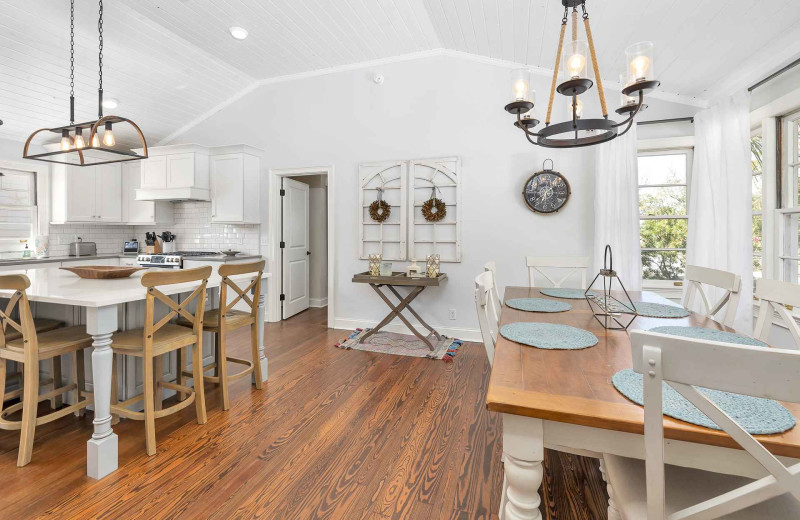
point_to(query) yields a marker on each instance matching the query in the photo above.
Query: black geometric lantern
(606, 308)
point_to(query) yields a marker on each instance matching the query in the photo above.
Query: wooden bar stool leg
(114, 388)
(256, 358)
(30, 393)
(79, 376)
(222, 364)
(149, 406)
(216, 354)
(181, 364)
(55, 371)
(2, 383)
(158, 373)
(199, 389)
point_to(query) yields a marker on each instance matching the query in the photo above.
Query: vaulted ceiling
(170, 61)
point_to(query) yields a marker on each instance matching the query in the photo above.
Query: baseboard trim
(453, 332)
(318, 302)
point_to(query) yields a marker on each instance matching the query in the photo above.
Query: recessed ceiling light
(110, 103)
(239, 33)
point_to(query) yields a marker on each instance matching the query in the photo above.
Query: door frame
(274, 218)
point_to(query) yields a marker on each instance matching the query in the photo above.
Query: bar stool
(231, 320)
(160, 337)
(28, 348)
(11, 334)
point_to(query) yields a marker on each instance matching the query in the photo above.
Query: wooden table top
(399, 278)
(574, 386)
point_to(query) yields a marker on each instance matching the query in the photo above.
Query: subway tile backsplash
(192, 227)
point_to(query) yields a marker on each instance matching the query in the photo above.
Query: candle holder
(432, 266)
(606, 308)
(375, 265)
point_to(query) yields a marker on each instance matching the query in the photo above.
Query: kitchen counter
(222, 258)
(211, 258)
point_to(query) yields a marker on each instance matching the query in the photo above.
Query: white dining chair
(773, 297)
(566, 266)
(488, 317)
(698, 278)
(498, 303)
(653, 490)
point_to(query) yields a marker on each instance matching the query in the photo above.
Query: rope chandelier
(74, 148)
(572, 59)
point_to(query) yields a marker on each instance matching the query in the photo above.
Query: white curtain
(616, 208)
(720, 210)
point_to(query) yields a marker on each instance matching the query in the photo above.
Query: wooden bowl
(102, 272)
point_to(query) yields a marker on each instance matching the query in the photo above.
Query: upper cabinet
(135, 212)
(87, 194)
(235, 172)
(178, 172)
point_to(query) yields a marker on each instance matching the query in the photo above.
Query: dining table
(564, 400)
(102, 299)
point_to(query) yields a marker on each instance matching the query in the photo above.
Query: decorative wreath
(434, 210)
(379, 210)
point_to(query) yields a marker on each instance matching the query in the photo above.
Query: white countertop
(63, 287)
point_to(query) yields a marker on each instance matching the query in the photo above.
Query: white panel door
(227, 188)
(108, 182)
(296, 247)
(81, 191)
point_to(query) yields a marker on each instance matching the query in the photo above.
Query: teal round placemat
(756, 415)
(569, 294)
(538, 305)
(549, 336)
(660, 310)
(709, 335)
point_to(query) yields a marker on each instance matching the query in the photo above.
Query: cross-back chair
(487, 315)
(160, 337)
(234, 319)
(697, 277)
(497, 302)
(773, 297)
(652, 491)
(20, 342)
(567, 266)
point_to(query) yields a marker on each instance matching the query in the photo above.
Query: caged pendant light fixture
(573, 61)
(81, 143)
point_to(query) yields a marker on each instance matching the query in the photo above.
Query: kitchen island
(101, 304)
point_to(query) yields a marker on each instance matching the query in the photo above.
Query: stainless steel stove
(169, 260)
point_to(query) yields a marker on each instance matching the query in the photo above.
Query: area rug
(401, 345)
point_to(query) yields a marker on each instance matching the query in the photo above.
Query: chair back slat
(568, 267)
(18, 305)
(698, 278)
(684, 363)
(495, 293)
(484, 303)
(249, 294)
(152, 280)
(773, 297)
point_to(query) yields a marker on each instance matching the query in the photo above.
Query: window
(663, 225)
(790, 214)
(756, 164)
(18, 211)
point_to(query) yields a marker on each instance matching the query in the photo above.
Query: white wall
(437, 106)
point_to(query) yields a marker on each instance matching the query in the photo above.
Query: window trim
(15, 245)
(790, 204)
(754, 132)
(667, 288)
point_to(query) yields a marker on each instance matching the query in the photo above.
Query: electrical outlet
(452, 314)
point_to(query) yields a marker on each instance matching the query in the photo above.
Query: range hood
(175, 173)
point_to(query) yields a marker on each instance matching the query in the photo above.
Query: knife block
(154, 248)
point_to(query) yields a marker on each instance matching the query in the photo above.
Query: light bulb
(639, 66)
(79, 142)
(578, 108)
(108, 136)
(66, 143)
(520, 89)
(575, 65)
(95, 141)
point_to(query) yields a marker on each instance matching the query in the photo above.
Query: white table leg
(613, 512)
(523, 447)
(101, 449)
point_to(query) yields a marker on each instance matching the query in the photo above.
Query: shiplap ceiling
(168, 62)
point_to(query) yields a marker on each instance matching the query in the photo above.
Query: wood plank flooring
(333, 434)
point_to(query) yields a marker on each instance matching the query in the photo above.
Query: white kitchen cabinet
(87, 194)
(135, 212)
(176, 172)
(235, 172)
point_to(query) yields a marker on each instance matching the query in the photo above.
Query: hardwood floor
(333, 434)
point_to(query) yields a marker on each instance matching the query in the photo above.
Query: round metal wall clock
(546, 191)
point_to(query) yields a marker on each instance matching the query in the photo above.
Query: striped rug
(401, 345)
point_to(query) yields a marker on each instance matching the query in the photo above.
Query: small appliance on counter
(81, 248)
(168, 239)
(130, 247)
(152, 243)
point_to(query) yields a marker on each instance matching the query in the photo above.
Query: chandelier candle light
(573, 61)
(73, 148)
